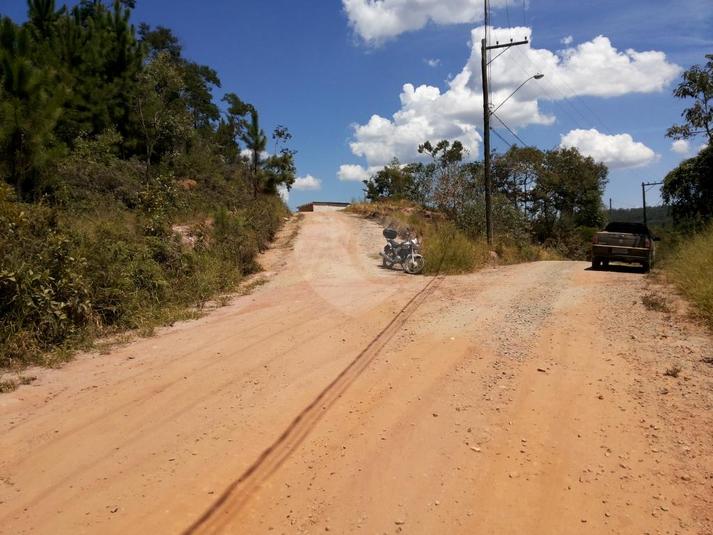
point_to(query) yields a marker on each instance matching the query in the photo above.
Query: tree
(453, 188)
(161, 111)
(516, 173)
(42, 16)
(279, 169)
(392, 182)
(256, 142)
(161, 39)
(688, 189)
(95, 52)
(199, 79)
(568, 193)
(232, 127)
(28, 114)
(697, 83)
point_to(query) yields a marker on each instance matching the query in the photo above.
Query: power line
(561, 96)
(500, 137)
(573, 99)
(509, 130)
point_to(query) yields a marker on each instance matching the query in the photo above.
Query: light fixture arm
(537, 76)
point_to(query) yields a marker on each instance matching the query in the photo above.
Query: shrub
(44, 293)
(67, 276)
(448, 250)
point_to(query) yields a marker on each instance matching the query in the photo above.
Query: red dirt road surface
(527, 399)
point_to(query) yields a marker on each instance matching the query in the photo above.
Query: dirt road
(342, 397)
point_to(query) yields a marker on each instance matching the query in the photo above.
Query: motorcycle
(406, 253)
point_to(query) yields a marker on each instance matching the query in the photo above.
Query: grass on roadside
(69, 277)
(446, 248)
(690, 268)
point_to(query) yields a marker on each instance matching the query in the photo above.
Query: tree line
(688, 188)
(69, 75)
(127, 191)
(550, 197)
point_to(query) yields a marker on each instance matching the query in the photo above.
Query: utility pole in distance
(644, 185)
(486, 124)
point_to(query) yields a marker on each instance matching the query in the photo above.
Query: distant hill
(658, 216)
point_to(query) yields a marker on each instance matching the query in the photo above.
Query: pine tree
(256, 142)
(28, 114)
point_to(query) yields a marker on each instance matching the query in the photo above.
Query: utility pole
(486, 138)
(644, 185)
(486, 123)
(610, 208)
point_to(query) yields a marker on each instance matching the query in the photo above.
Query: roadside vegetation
(447, 248)
(546, 204)
(688, 190)
(690, 267)
(128, 196)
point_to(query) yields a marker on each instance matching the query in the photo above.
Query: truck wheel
(646, 267)
(596, 263)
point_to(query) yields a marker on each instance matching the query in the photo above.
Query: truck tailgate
(617, 239)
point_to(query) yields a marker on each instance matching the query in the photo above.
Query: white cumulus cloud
(377, 20)
(307, 183)
(434, 62)
(593, 68)
(283, 193)
(616, 151)
(568, 40)
(681, 146)
(352, 173)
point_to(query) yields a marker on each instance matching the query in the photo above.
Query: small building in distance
(319, 206)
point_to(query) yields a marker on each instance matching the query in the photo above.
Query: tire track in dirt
(239, 492)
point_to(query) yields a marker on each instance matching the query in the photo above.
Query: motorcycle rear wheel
(414, 264)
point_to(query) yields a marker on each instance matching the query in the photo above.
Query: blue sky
(323, 67)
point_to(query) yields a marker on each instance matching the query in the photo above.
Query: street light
(487, 112)
(537, 76)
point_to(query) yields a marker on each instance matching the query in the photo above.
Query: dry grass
(8, 385)
(655, 302)
(445, 247)
(249, 287)
(673, 371)
(690, 268)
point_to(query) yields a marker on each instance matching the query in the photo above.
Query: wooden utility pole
(486, 123)
(486, 139)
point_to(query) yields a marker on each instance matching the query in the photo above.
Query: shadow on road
(618, 269)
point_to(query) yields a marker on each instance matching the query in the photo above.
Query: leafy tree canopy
(696, 84)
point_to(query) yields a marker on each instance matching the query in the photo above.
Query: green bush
(67, 276)
(44, 292)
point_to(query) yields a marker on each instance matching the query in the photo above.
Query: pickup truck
(632, 243)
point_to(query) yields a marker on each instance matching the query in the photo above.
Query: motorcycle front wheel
(414, 264)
